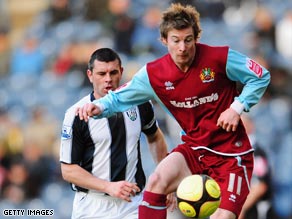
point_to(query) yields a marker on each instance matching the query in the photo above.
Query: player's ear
(89, 75)
(164, 41)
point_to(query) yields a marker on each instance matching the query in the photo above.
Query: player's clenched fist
(88, 110)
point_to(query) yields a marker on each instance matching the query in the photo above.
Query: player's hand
(123, 190)
(228, 120)
(171, 201)
(88, 110)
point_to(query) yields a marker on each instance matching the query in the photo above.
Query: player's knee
(155, 184)
(153, 179)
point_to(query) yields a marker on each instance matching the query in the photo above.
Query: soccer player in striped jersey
(196, 84)
(101, 158)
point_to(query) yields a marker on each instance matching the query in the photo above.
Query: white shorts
(95, 205)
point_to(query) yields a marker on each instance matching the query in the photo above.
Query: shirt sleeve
(66, 137)
(252, 75)
(133, 93)
(148, 120)
(72, 138)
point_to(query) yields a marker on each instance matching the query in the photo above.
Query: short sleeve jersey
(109, 148)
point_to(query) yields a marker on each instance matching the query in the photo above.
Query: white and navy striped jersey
(109, 148)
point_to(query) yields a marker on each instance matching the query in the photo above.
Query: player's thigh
(222, 213)
(168, 174)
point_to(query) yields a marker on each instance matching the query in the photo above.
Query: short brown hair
(180, 17)
(103, 55)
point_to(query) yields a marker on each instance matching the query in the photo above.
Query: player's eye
(188, 40)
(101, 73)
(114, 72)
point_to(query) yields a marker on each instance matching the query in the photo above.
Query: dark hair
(103, 55)
(180, 17)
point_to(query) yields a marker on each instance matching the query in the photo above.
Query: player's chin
(182, 60)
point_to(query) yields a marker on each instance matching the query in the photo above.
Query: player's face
(105, 76)
(181, 47)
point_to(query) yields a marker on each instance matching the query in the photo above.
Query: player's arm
(133, 93)
(155, 138)
(252, 75)
(76, 175)
(255, 79)
(157, 145)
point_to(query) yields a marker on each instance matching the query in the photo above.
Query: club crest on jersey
(132, 114)
(254, 67)
(207, 75)
(66, 132)
(169, 85)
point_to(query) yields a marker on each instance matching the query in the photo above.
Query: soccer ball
(198, 196)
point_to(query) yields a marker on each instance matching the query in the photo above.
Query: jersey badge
(254, 67)
(132, 114)
(66, 132)
(169, 85)
(207, 75)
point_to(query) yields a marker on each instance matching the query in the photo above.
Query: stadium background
(44, 48)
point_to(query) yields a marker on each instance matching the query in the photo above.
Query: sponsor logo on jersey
(195, 101)
(132, 114)
(254, 67)
(66, 132)
(207, 75)
(169, 85)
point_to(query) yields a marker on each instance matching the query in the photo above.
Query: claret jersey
(197, 97)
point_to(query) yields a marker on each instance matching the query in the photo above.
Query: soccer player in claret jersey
(196, 84)
(102, 158)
